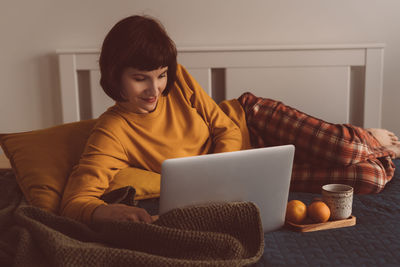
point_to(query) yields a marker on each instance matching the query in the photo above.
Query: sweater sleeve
(226, 136)
(102, 158)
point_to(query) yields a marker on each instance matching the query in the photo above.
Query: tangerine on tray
(296, 211)
(319, 212)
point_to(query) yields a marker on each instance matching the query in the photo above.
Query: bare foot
(384, 137)
(387, 139)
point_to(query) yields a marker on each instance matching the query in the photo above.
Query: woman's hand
(121, 212)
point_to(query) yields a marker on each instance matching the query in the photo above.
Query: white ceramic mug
(339, 198)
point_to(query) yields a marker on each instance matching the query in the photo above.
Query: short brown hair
(139, 42)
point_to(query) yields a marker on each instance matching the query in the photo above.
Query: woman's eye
(163, 75)
(138, 79)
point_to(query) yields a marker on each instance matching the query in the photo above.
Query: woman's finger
(132, 217)
(145, 217)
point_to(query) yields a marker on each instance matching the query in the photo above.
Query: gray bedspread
(373, 241)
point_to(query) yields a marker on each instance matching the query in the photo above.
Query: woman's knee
(371, 177)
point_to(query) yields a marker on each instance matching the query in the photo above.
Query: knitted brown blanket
(227, 234)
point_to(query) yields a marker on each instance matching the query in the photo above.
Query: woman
(161, 112)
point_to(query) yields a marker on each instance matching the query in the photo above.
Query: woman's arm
(225, 133)
(102, 158)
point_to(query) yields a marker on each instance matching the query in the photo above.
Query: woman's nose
(153, 87)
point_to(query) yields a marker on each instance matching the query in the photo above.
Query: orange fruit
(319, 212)
(296, 211)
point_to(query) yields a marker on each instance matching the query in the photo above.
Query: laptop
(260, 175)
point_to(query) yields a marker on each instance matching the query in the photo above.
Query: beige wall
(31, 31)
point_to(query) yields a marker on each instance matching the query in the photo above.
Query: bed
(345, 79)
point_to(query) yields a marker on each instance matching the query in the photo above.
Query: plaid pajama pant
(325, 152)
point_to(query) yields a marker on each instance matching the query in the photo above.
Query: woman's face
(142, 89)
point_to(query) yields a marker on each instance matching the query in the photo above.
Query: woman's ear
(123, 95)
(122, 91)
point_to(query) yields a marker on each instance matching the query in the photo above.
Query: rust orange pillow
(43, 159)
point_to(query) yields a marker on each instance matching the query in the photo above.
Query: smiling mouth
(150, 99)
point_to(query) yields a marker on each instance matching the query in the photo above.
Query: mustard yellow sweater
(187, 122)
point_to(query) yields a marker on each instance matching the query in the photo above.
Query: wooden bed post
(373, 87)
(69, 87)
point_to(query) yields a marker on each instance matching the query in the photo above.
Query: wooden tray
(311, 227)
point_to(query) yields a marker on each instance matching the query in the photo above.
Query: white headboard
(338, 83)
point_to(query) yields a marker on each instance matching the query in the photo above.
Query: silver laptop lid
(259, 175)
